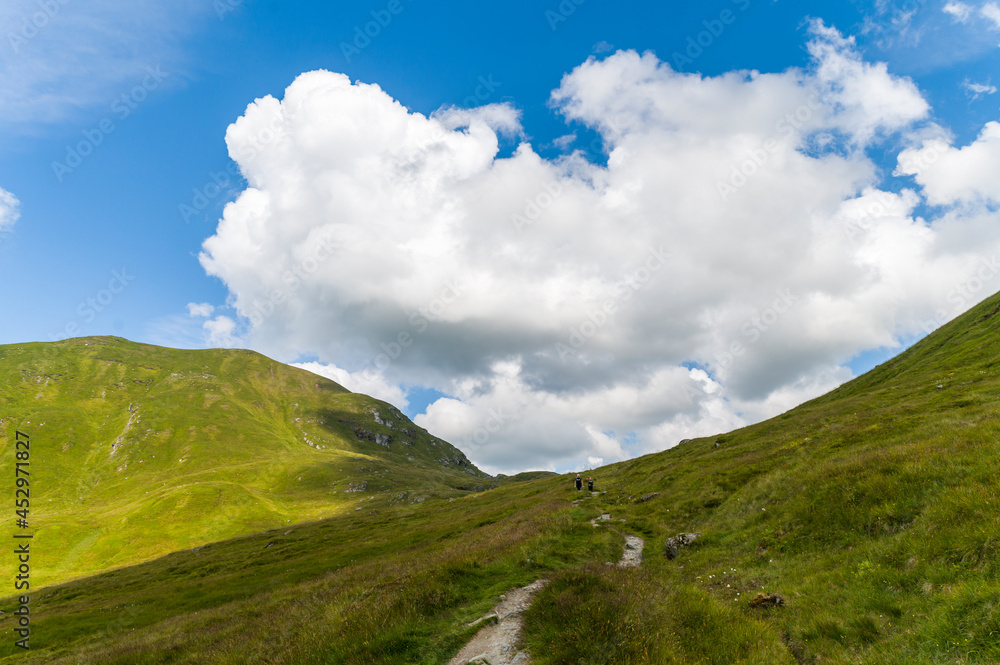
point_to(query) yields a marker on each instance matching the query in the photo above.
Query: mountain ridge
(186, 447)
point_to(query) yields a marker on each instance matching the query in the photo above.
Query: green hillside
(138, 451)
(871, 512)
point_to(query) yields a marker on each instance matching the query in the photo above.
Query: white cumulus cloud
(735, 251)
(950, 175)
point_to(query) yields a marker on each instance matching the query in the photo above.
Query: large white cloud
(734, 252)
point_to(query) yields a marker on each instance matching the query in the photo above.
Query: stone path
(632, 556)
(496, 644)
(603, 518)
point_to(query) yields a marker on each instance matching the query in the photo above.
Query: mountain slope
(871, 512)
(141, 450)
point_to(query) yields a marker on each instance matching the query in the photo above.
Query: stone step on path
(632, 556)
(603, 518)
(497, 643)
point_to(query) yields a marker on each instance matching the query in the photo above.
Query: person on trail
(579, 483)
(590, 483)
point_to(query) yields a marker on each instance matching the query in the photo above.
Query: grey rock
(675, 544)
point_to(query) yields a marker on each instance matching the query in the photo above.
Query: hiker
(590, 483)
(579, 483)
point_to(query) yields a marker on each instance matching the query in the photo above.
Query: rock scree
(497, 643)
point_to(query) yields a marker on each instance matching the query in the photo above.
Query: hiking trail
(497, 643)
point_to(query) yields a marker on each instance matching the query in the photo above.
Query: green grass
(872, 511)
(262, 444)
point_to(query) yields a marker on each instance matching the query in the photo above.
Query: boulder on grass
(681, 540)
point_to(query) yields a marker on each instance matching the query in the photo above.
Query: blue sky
(109, 242)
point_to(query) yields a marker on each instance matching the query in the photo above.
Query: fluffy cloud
(221, 332)
(722, 266)
(200, 310)
(9, 209)
(950, 175)
(865, 98)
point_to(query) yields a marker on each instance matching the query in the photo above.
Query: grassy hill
(871, 512)
(139, 451)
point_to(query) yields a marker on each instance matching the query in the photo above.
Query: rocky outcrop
(386, 422)
(368, 435)
(674, 545)
(457, 461)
